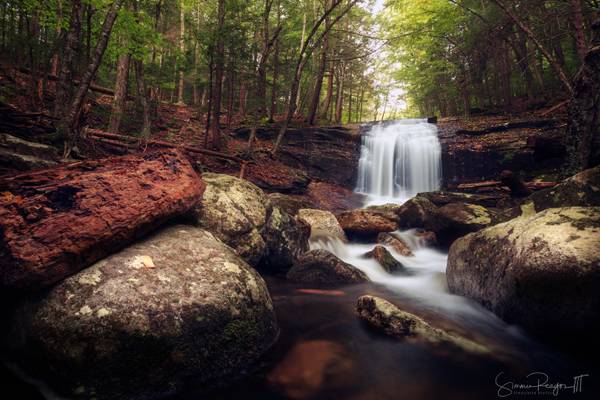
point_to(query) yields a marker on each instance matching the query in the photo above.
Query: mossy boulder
(320, 267)
(541, 271)
(419, 212)
(240, 214)
(177, 307)
(322, 223)
(581, 190)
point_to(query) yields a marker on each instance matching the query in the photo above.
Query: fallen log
(492, 184)
(58, 221)
(508, 126)
(98, 134)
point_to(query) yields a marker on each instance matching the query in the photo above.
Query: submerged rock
(321, 267)
(389, 319)
(179, 306)
(386, 260)
(540, 271)
(363, 222)
(389, 239)
(309, 366)
(241, 215)
(322, 223)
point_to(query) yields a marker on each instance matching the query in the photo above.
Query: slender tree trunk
(582, 46)
(143, 96)
(350, 104)
(339, 104)
(70, 49)
(218, 81)
(273, 108)
(551, 59)
(314, 104)
(180, 85)
(118, 107)
(329, 95)
(71, 121)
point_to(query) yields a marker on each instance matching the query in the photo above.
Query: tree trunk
(314, 103)
(215, 129)
(273, 108)
(580, 39)
(180, 85)
(70, 49)
(118, 107)
(71, 122)
(58, 221)
(339, 103)
(143, 96)
(551, 59)
(584, 109)
(329, 95)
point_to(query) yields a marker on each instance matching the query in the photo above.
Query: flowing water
(399, 160)
(325, 352)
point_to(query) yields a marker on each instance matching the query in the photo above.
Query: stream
(325, 352)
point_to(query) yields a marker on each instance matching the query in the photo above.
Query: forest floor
(483, 135)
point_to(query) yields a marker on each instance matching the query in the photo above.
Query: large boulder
(178, 307)
(581, 190)
(363, 222)
(392, 321)
(540, 271)
(241, 215)
(235, 211)
(322, 223)
(320, 267)
(57, 221)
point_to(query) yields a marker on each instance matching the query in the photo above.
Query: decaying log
(515, 184)
(492, 184)
(133, 142)
(508, 126)
(57, 221)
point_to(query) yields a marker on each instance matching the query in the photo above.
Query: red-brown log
(57, 221)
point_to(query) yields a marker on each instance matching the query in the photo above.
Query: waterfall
(399, 160)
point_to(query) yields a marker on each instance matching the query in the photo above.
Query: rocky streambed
(235, 292)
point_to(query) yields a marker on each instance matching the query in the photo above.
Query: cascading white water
(399, 160)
